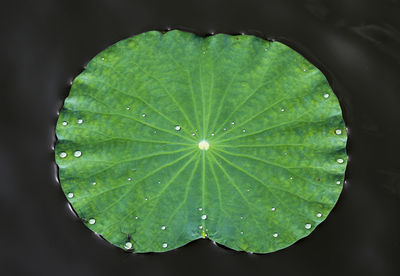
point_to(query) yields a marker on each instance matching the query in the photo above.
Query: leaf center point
(204, 145)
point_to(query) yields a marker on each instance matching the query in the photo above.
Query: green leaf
(167, 138)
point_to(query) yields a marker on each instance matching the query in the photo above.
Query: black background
(45, 44)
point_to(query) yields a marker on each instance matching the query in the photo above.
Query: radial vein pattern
(170, 137)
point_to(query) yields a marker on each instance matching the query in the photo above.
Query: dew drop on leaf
(128, 245)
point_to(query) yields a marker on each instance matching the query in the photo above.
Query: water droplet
(338, 182)
(204, 145)
(63, 154)
(307, 226)
(159, 182)
(326, 96)
(143, 115)
(340, 161)
(200, 227)
(127, 108)
(241, 232)
(203, 217)
(163, 227)
(193, 134)
(78, 153)
(241, 217)
(304, 70)
(233, 123)
(94, 183)
(275, 235)
(129, 179)
(146, 199)
(282, 109)
(128, 245)
(204, 53)
(164, 245)
(224, 128)
(212, 134)
(243, 130)
(102, 58)
(136, 217)
(285, 153)
(196, 130)
(319, 215)
(273, 208)
(338, 131)
(265, 49)
(177, 128)
(291, 178)
(200, 209)
(92, 221)
(70, 195)
(64, 123)
(79, 121)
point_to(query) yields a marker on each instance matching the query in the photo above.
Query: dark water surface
(45, 45)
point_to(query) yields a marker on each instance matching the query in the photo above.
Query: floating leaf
(167, 138)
